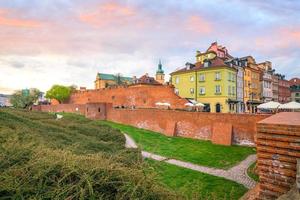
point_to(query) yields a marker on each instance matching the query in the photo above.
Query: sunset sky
(46, 42)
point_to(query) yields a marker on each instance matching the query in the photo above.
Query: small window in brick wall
(144, 100)
(112, 97)
(87, 109)
(99, 110)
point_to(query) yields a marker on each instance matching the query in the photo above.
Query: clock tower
(160, 75)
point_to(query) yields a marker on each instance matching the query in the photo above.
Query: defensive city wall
(139, 96)
(221, 128)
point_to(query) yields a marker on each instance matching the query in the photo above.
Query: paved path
(237, 173)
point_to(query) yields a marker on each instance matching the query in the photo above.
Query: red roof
(145, 79)
(216, 62)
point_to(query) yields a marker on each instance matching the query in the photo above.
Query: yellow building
(107, 80)
(209, 81)
(252, 86)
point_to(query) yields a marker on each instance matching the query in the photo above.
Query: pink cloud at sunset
(108, 13)
(6, 20)
(89, 36)
(199, 25)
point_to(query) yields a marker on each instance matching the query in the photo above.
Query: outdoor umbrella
(291, 105)
(269, 105)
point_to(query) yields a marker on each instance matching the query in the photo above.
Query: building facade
(275, 80)
(266, 86)
(284, 92)
(212, 83)
(237, 64)
(252, 90)
(295, 89)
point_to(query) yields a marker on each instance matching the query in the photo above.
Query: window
(202, 77)
(176, 91)
(202, 90)
(218, 76)
(229, 76)
(218, 89)
(233, 90)
(192, 78)
(177, 80)
(229, 90)
(192, 90)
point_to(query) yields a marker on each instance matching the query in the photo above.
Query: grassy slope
(71, 158)
(195, 185)
(191, 150)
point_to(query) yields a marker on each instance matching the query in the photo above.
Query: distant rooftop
(112, 77)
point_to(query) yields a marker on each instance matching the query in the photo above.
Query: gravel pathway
(237, 173)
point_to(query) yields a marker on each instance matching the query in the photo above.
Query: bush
(71, 158)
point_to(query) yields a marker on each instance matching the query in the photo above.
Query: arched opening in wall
(218, 108)
(99, 109)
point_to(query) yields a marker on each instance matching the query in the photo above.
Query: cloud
(16, 21)
(198, 24)
(111, 13)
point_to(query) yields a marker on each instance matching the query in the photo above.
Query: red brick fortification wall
(278, 148)
(140, 96)
(189, 124)
(72, 108)
(90, 110)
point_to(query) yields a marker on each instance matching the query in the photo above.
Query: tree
(59, 92)
(24, 98)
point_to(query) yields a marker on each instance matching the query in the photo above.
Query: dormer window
(206, 63)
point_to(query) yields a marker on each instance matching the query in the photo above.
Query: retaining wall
(278, 148)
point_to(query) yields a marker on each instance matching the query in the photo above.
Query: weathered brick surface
(141, 96)
(278, 148)
(241, 127)
(196, 125)
(222, 133)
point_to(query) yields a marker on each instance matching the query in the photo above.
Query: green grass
(196, 185)
(71, 158)
(191, 150)
(251, 172)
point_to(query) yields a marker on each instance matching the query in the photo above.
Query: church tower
(160, 75)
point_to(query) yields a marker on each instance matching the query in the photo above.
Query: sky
(68, 41)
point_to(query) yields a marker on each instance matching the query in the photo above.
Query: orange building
(252, 89)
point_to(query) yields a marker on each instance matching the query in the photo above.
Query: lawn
(196, 185)
(191, 150)
(70, 158)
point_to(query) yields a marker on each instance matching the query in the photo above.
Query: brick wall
(140, 96)
(278, 148)
(90, 110)
(189, 124)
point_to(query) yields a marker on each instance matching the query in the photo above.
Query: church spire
(159, 69)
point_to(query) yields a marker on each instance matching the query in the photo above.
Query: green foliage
(70, 158)
(25, 98)
(195, 185)
(251, 171)
(59, 92)
(186, 149)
